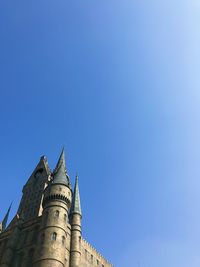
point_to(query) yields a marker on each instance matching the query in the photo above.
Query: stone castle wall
(90, 257)
(42, 233)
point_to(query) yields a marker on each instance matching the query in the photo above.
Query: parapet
(94, 254)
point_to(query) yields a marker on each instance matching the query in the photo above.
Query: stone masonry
(46, 231)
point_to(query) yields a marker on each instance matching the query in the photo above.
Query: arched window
(63, 240)
(53, 236)
(65, 218)
(56, 214)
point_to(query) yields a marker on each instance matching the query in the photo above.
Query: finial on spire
(76, 203)
(60, 174)
(5, 220)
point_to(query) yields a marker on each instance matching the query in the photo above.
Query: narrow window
(97, 262)
(53, 236)
(56, 214)
(65, 218)
(63, 240)
(91, 258)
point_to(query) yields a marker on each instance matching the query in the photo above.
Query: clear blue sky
(117, 82)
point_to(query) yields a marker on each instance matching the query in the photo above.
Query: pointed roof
(76, 203)
(5, 220)
(41, 166)
(60, 175)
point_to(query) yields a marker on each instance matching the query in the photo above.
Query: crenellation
(92, 251)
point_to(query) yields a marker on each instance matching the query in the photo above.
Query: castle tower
(75, 221)
(31, 202)
(46, 230)
(54, 236)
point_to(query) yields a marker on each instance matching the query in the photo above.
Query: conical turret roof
(60, 175)
(76, 203)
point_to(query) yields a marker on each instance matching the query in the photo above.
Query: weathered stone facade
(46, 231)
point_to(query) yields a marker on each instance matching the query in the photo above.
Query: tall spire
(5, 220)
(60, 173)
(76, 203)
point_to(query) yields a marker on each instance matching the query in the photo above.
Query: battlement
(90, 249)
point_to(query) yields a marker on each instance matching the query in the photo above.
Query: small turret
(76, 203)
(75, 221)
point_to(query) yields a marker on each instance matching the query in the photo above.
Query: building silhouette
(46, 231)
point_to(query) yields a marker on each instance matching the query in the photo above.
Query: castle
(46, 231)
